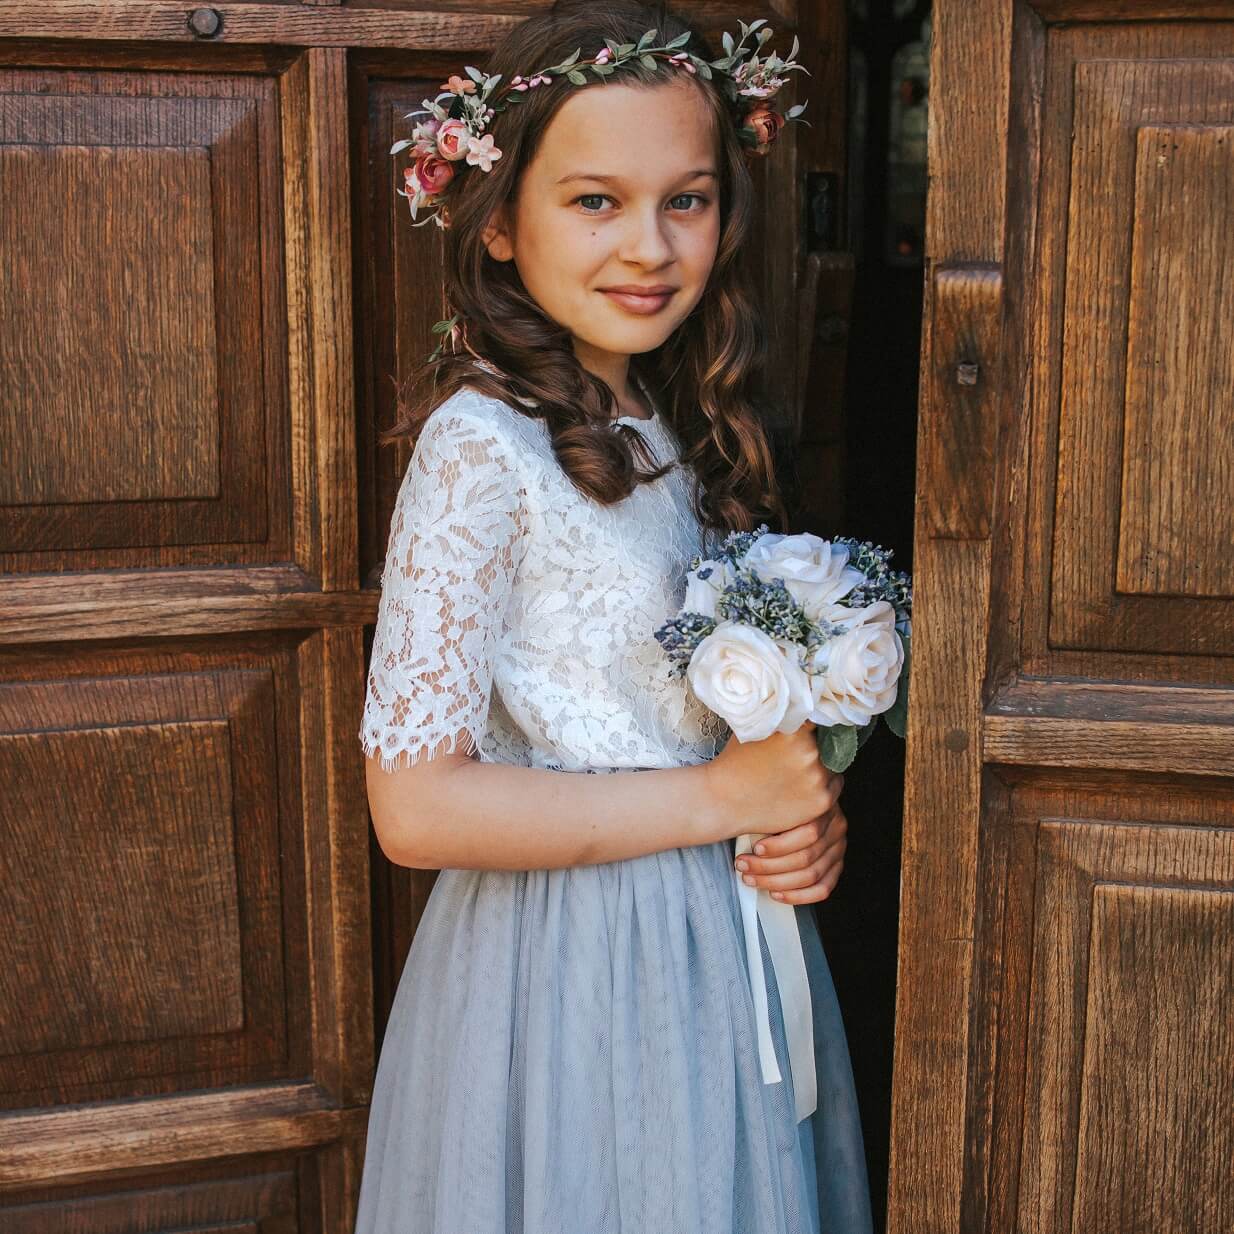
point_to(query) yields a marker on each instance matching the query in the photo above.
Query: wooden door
(208, 290)
(1066, 970)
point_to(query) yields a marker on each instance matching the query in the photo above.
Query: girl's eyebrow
(581, 175)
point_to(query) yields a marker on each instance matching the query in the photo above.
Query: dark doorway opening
(888, 64)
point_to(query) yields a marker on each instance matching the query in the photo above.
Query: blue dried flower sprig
(894, 586)
(681, 636)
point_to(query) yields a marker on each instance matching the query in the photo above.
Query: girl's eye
(591, 197)
(586, 197)
(702, 201)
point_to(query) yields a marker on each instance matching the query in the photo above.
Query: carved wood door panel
(207, 294)
(1063, 1061)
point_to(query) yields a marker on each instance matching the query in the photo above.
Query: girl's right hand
(772, 785)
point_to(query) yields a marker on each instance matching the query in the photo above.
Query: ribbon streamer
(779, 921)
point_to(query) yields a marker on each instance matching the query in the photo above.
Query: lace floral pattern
(517, 614)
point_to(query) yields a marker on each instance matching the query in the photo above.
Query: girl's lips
(639, 304)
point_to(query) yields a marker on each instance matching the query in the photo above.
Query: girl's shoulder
(469, 411)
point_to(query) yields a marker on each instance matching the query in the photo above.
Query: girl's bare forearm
(467, 814)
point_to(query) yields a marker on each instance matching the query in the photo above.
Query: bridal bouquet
(777, 630)
(783, 629)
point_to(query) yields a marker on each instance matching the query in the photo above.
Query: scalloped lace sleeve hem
(397, 748)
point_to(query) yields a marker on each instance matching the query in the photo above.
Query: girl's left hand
(803, 864)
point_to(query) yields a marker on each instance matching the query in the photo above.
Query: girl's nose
(645, 241)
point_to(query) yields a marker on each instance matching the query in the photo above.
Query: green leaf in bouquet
(837, 745)
(863, 733)
(897, 714)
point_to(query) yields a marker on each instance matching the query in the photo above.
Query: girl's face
(623, 192)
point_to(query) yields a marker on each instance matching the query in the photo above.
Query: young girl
(572, 1047)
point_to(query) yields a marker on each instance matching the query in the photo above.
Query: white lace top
(520, 614)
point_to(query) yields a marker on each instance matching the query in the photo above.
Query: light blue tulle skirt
(574, 1051)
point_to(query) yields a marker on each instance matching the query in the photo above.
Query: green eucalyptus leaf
(680, 41)
(703, 68)
(474, 74)
(837, 745)
(754, 25)
(728, 42)
(648, 61)
(795, 111)
(648, 38)
(579, 79)
(602, 70)
(624, 49)
(897, 714)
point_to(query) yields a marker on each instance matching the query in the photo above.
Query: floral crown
(454, 138)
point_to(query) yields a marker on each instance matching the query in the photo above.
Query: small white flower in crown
(453, 136)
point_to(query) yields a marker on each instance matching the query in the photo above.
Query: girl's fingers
(780, 843)
(819, 891)
(796, 860)
(806, 876)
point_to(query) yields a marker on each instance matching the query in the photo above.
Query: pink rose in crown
(433, 173)
(766, 124)
(452, 138)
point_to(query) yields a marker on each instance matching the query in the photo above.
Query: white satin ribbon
(779, 920)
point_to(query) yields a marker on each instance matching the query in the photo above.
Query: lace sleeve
(456, 540)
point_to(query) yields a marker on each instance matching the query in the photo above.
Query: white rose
(702, 593)
(815, 571)
(750, 680)
(855, 676)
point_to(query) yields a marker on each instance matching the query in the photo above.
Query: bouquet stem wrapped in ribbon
(774, 631)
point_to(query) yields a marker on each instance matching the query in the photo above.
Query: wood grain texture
(331, 678)
(1158, 1067)
(952, 565)
(1080, 319)
(938, 883)
(321, 376)
(132, 935)
(455, 25)
(1175, 522)
(1132, 10)
(957, 433)
(327, 185)
(1199, 749)
(175, 957)
(250, 1196)
(135, 604)
(185, 461)
(1178, 881)
(107, 324)
(76, 1146)
(969, 65)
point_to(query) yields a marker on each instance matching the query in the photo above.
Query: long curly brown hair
(704, 374)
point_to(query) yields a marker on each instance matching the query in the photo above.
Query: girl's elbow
(401, 804)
